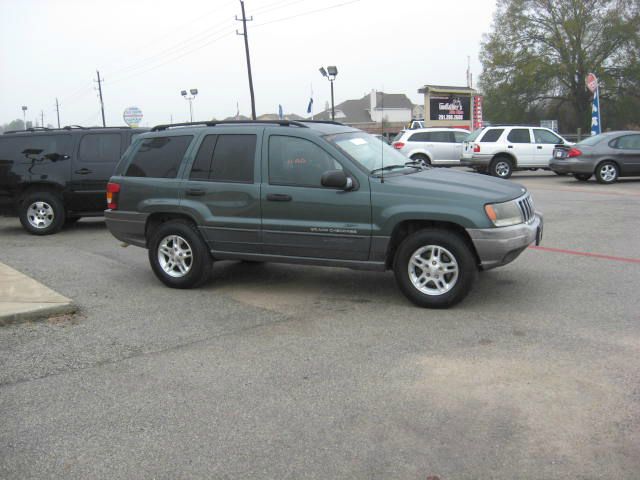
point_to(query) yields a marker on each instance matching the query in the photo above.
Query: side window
(298, 162)
(202, 164)
(519, 135)
(159, 157)
(492, 135)
(35, 147)
(459, 137)
(441, 137)
(100, 147)
(628, 142)
(545, 136)
(420, 137)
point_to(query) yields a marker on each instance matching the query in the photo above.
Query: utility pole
(104, 124)
(58, 111)
(246, 48)
(42, 118)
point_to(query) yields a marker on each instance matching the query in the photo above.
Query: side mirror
(336, 179)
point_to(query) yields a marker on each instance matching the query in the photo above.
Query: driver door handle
(278, 197)
(83, 171)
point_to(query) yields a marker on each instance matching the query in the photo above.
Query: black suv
(56, 176)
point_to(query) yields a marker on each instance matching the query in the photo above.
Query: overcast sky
(149, 50)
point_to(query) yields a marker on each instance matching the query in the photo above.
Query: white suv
(432, 146)
(500, 150)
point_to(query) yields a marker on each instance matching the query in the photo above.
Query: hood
(451, 182)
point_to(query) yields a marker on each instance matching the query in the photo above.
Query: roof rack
(330, 122)
(213, 123)
(65, 128)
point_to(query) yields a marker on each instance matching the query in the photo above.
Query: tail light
(112, 195)
(398, 145)
(574, 152)
(476, 148)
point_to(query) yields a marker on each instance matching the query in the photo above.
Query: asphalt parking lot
(281, 371)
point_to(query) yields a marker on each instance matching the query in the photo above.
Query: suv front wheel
(501, 167)
(178, 255)
(435, 268)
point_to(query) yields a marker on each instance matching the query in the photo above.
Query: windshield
(473, 135)
(367, 150)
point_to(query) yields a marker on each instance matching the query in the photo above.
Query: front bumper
(501, 245)
(571, 165)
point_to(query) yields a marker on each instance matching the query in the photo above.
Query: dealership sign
(132, 116)
(477, 112)
(449, 107)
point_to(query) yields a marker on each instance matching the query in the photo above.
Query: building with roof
(375, 112)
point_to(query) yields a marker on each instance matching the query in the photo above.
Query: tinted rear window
(519, 135)
(492, 135)
(159, 157)
(100, 147)
(225, 158)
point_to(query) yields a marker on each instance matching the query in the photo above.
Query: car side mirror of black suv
(336, 179)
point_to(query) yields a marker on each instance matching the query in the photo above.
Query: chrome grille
(525, 204)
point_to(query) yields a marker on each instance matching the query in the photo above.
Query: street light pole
(24, 115)
(330, 74)
(193, 92)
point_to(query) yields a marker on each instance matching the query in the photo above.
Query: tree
(539, 52)
(16, 124)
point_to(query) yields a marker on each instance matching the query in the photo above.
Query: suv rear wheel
(41, 213)
(178, 255)
(423, 159)
(501, 167)
(435, 268)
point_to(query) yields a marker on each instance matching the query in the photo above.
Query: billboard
(449, 107)
(132, 116)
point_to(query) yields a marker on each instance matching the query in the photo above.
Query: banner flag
(592, 85)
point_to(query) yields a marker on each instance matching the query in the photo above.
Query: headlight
(504, 214)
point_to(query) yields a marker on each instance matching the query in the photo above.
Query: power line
(189, 52)
(305, 13)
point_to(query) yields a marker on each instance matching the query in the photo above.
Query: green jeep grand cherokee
(317, 193)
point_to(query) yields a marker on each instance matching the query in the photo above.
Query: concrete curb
(23, 299)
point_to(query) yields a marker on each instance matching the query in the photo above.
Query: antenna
(382, 132)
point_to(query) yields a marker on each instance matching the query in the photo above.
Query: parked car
(416, 123)
(317, 193)
(56, 176)
(500, 150)
(609, 155)
(432, 146)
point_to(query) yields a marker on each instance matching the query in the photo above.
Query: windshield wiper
(393, 167)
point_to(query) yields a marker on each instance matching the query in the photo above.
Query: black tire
(200, 264)
(607, 172)
(422, 158)
(457, 249)
(41, 213)
(501, 167)
(582, 177)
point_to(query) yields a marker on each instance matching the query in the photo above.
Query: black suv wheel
(435, 268)
(178, 255)
(41, 213)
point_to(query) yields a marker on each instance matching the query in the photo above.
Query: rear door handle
(195, 192)
(83, 171)
(509, 146)
(278, 197)
(539, 147)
